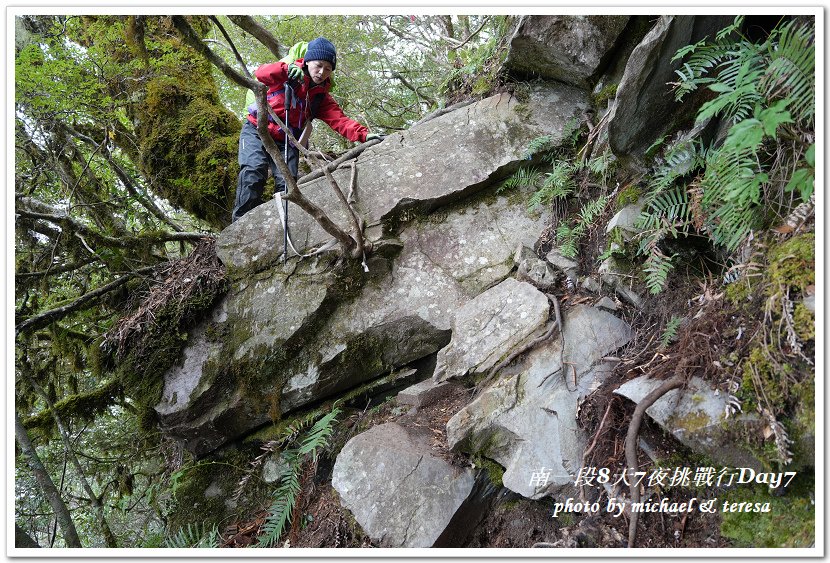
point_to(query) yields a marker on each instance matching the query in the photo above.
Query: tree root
(631, 446)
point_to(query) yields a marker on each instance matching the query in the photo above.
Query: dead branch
(631, 446)
(335, 164)
(87, 300)
(248, 24)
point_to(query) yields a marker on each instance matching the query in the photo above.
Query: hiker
(306, 83)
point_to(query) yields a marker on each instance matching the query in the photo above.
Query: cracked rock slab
(399, 493)
(434, 163)
(489, 327)
(526, 420)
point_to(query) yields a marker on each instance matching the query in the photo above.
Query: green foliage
(558, 183)
(541, 144)
(764, 90)
(569, 233)
(803, 179)
(670, 332)
(307, 450)
(790, 521)
(194, 536)
(522, 178)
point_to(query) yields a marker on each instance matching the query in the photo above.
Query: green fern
(285, 497)
(702, 57)
(558, 183)
(194, 536)
(670, 332)
(657, 268)
(523, 177)
(539, 144)
(791, 72)
(568, 235)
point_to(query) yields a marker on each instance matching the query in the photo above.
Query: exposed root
(631, 446)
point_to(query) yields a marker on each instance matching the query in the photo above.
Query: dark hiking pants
(254, 162)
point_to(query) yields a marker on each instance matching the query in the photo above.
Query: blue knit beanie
(321, 49)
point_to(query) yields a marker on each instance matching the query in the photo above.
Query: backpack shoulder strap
(314, 105)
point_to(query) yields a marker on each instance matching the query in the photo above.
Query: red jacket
(274, 76)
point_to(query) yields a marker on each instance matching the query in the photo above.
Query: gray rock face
(697, 416)
(431, 164)
(571, 49)
(399, 492)
(645, 107)
(487, 328)
(531, 269)
(292, 343)
(625, 219)
(526, 420)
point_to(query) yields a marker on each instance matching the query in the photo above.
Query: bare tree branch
(293, 193)
(83, 302)
(34, 209)
(247, 23)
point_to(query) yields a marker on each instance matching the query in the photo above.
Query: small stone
(606, 303)
(564, 263)
(424, 393)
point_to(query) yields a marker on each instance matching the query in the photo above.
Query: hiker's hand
(372, 136)
(294, 72)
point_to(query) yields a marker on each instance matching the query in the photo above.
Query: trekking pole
(285, 158)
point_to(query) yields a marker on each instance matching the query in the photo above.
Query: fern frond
(670, 332)
(285, 497)
(279, 514)
(194, 536)
(600, 165)
(558, 183)
(523, 177)
(317, 437)
(792, 70)
(539, 144)
(657, 268)
(566, 240)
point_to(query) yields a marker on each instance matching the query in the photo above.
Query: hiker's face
(319, 71)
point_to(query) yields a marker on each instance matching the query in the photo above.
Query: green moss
(792, 263)
(805, 322)
(628, 195)
(495, 472)
(523, 110)
(738, 292)
(790, 522)
(693, 421)
(600, 99)
(201, 493)
(82, 406)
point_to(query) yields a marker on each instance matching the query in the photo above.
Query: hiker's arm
(273, 74)
(331, 113)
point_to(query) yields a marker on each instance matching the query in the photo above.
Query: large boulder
(432, 164)
(399, 491)
(645, 108)
(284, 338)
(487, 328)
(526, 420)
(571, 49)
